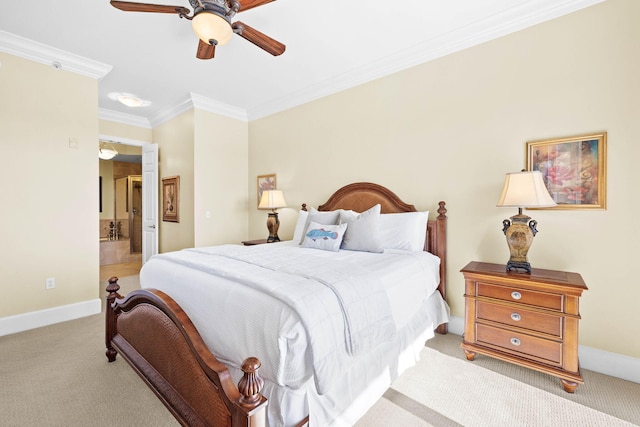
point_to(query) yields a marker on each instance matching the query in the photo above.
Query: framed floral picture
(171, 199)
(573, 169)
(265, 182)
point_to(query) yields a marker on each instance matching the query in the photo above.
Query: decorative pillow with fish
(320, 217)
(324, 236)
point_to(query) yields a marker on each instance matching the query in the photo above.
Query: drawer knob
(515, 316)
(516, 295)
(515, 341)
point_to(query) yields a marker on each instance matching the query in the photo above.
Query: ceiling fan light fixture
(212, 28)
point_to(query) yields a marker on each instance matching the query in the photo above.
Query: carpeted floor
(442, 390)
(59, 376)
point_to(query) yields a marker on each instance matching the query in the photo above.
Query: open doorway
(120, 221)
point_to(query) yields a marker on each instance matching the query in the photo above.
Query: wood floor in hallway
(120, 270)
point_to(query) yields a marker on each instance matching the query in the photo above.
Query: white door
(149, 201)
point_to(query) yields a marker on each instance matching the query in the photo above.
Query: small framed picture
(171, 199)
(573, 169)
(265, 182)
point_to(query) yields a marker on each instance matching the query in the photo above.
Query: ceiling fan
(211, 21)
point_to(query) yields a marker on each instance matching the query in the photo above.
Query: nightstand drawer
(517, 316)
(523, 296)
(520, 344)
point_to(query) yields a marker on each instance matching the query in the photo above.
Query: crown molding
(211, 105)
(202, 103)
(515, 19)
(124, 118)
(38, 52)
(120, 140)
(169, 114)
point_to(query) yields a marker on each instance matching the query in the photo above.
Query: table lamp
(272, 199)
(522, 190)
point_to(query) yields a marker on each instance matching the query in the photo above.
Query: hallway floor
(120, 270)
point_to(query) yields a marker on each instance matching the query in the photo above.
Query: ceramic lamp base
(519, 230)
(272, 225)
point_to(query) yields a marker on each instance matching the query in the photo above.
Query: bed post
(111, 318)
(441, 245)
(252, 402)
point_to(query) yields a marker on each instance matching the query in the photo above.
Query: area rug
(444, 391)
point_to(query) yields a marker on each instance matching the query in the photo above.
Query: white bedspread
(260, 301)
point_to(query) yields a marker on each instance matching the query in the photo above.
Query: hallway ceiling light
(105, 153)
(129, 99)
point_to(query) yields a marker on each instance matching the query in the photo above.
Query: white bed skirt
(363, 386)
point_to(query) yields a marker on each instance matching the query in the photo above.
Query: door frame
(137, 143)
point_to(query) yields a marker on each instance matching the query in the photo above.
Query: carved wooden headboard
(361, 196)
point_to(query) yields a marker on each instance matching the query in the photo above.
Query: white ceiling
(331, 45)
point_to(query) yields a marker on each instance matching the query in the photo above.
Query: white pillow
(323, 236)
(320, 217)
(407, 231)
(363, 233)
(298, 232)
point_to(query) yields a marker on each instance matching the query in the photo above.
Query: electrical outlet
(50, 283)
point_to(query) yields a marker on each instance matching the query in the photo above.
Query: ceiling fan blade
(250, 4)
(145, 7)
(259, 39)
(205, 50)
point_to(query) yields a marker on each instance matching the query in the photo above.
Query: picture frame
(265, 182)
(573, 169)
(171, 199)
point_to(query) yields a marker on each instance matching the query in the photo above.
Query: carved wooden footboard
(151, 332)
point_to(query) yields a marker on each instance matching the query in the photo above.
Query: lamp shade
(272, 199)
(525, 190)
(212, 28)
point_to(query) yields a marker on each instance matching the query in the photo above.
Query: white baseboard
(614, 364)
(456, 325)
(604, 362)
(37, 319)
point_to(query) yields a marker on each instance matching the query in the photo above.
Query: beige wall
(107, 127)
(445, 130)
(105, 170)
(209, 153)
(220, 179)
(450, 129)
(175, 140)
(49, 211)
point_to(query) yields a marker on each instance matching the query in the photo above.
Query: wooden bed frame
(157, 338)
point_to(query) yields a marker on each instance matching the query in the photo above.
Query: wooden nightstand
(530, 320)
(254, 242)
